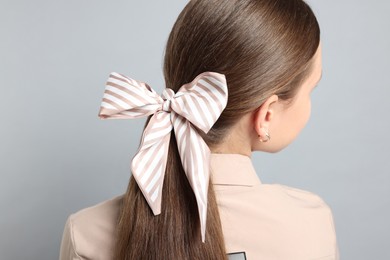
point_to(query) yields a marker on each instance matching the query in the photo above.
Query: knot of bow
(198, 103)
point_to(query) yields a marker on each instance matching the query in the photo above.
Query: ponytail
(175, 233)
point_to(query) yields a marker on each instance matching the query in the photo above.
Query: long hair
(263, 47)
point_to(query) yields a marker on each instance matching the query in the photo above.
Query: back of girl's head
(263, 47)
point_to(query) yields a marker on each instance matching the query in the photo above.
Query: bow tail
(149, 163)
(195, 157)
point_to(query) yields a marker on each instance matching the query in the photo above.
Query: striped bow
(198, 103)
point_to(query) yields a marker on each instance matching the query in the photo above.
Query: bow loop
(202, 100)
(128, 98)
(196, 104)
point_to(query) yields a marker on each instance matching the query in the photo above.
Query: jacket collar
(233, 169)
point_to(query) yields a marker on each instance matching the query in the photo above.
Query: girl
(238, 76)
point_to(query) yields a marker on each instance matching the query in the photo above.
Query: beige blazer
(265, 221)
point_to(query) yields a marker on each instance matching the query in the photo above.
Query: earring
(266, 134)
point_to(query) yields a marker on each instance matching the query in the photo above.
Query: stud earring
(266, 134)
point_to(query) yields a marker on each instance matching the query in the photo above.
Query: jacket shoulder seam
(72, 237)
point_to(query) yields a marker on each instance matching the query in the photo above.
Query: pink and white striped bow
(198, 103)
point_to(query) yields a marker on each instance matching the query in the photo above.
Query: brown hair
(263, 47)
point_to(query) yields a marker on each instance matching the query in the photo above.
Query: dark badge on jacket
(237, 256)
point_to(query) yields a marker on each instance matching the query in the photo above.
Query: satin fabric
(196, 105)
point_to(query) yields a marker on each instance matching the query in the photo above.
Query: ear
(263, 116)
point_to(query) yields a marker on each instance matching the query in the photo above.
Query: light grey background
(58, 157)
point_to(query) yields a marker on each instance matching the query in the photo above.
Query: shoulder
(316, 216)
(101, 213)
(90, 232)
(296, 221)
(292, 207)
(301, 197)
(277, 216)
(301, 202)
(286, 203)
(311, 214)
